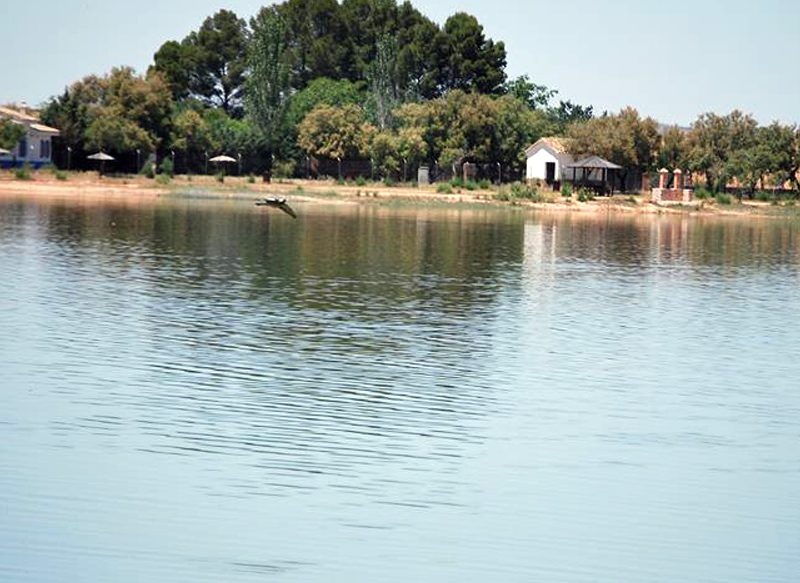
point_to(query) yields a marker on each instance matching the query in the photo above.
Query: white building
(547, 160)
(36, 147)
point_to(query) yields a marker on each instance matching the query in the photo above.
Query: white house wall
(537, 165)
(33, 149)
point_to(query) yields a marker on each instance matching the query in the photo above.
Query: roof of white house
(26, 117)
(44, 129)
(555, 144)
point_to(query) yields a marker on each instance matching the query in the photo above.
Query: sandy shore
(88, 186)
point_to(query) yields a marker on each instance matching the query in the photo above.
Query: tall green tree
(268, 87)
(368, 21)
(209, 64)
(717, 139)
(177, 62)
(567, 113)
(783, 145)
(470, 60)
(111, 131)
(673, 149)
(473, 127)
(120, 112)
(531, 94)
(625, 139)
(222, 60)
(417, 65)
(317, 39)
(384, 84)
(322, 91)
(10, 133)
(192, 137)
(336, 132)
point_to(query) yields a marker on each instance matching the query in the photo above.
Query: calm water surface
(204, 391)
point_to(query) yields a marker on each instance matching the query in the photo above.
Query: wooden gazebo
(595, 172)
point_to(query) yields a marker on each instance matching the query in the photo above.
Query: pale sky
(670, 59)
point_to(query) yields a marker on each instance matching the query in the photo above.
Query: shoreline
(89, 186)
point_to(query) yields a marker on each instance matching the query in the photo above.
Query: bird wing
(284, 206)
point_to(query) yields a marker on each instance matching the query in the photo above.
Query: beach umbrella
(223, 159)
(3, 152)
(102, 157)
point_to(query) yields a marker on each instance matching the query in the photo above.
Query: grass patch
(519, 192)
(361, 181)
(24, 173)
(702, 194)
(444, 188)
(163, 179)
(724, 199)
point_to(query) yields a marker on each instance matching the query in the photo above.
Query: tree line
(376, 80)
(247, 88)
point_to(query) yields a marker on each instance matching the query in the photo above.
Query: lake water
(208, 391)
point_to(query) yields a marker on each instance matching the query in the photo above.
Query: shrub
(24, 173)
(283, 168)
(444, 188)
(148, 170)
(340, 181)
(457, 183)
(251, 179)
(763, 196)
(168, 167)
(389, 181)
(220, 177)
(484, 184)
(566, 190)
(60, 175)
(361, 181)
(723, 198)
(519, 190)
(702, 193)
(163, 179)
(585, 195)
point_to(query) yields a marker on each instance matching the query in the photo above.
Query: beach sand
(88, 186)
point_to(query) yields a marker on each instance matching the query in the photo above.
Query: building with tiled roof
(547, 160)
(36, 146)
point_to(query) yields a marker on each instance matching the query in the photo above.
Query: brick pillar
(663, 176)
(678, 180)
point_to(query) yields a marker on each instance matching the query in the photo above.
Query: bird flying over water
(279, 203)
